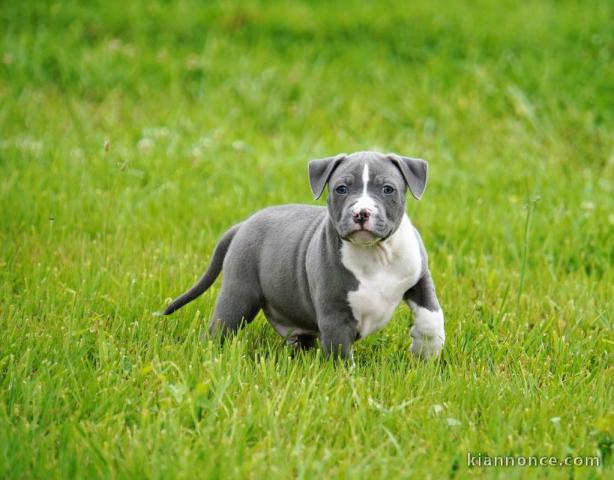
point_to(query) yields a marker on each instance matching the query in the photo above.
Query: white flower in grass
(28, 144)
(436, 409)
(239, 145)
(114, 45)
(145, 144)
(193, 62)
(156, 132)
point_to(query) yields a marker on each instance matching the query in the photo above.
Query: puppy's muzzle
(361, 216)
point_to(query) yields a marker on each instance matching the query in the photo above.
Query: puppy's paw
(428, 332)
(426, 345)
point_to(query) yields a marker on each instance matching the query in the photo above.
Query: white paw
(426, 346)
(428, 332)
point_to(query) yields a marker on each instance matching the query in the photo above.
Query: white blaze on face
(365, 178)
(365, 202)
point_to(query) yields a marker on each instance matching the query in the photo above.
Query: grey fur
(423, 292)
(414, 172)
(286, 260)
(320, 171)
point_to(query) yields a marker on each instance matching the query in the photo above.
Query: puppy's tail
(214, 269)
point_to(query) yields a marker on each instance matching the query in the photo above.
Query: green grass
(132, 134)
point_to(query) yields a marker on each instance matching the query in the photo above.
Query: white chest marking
(384, 273)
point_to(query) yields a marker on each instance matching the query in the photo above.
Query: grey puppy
(336, 273)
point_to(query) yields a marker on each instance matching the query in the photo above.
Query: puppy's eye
(342, 190)
(387, 190)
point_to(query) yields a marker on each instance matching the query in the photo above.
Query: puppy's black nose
(361, 216)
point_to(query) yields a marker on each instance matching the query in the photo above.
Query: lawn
(134, 133)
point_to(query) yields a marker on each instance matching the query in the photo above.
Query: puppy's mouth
(364, 237)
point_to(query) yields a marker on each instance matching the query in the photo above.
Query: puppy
(334, 273)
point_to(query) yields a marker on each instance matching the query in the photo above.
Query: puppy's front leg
(428, 333)
(337, 338)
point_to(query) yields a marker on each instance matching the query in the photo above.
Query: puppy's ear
(320, 171)
(413, 171)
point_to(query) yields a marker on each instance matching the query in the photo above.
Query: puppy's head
(366, 199)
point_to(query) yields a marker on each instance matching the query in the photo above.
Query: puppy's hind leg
(236, 306)
(301, 342)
